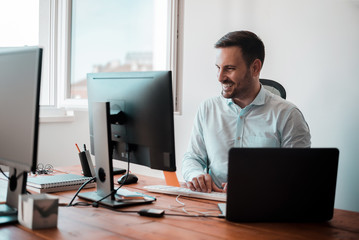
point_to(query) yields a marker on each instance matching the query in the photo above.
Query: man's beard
(236, 92)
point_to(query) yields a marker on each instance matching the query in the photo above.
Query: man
(244, 115)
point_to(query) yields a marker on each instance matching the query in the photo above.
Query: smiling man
(244, 115)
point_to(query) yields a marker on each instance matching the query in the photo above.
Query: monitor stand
(16, 186)
(103, 160)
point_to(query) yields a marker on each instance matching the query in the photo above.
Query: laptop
(281, 184)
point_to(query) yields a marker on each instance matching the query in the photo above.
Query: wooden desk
(100, 223)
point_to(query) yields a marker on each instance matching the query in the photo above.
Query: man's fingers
(195, 184)
(201, 183)
(190, 186)
(208, 182)
(204, 183)
(215, 188)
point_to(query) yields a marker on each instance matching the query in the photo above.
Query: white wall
(57, 141)
(312, 49)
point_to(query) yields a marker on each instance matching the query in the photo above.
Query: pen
(78, 147)
(85, 147)
(207, 166)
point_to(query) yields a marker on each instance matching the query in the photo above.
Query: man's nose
(221, 75)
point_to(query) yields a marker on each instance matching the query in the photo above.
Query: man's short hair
(251, 45)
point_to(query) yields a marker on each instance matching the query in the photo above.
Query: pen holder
(86, 163)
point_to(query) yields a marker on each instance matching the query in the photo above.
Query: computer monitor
(20, 74)
(131, 118)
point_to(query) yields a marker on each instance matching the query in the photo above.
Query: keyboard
(217, 196)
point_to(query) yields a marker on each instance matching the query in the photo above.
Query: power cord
(177, 215)
(187, 209)
(4, 174)
(7, 177)
(182, 215)
(96, 204)
(78, 191)
(13, 176)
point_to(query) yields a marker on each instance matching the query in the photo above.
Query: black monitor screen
(141, 107)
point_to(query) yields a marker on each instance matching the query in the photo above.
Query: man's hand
(204, 183)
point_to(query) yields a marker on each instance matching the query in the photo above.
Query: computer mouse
(132, 178)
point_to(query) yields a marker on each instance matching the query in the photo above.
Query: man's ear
(256, 67)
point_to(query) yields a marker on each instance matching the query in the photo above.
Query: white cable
(187, 211)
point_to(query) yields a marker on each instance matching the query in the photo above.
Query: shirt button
(241, 117)
(239, 138)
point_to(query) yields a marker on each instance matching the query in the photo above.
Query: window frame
(58, 44)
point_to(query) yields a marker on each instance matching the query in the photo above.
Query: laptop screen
(281, 184)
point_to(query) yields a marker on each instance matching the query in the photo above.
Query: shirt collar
(260, 98)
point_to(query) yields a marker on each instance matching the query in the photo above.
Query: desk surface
(102, 223)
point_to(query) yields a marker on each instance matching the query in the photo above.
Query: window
(81, 36)
(116, 35)
(19, 25)
(108, 35)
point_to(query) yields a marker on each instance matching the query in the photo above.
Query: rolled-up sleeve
(195, 159)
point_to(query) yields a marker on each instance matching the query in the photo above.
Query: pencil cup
(86, 163)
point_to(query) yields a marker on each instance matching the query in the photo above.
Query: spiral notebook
(57, 183)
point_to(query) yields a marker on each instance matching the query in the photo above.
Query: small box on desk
(38, 211)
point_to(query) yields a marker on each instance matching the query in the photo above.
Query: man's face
(233, 73)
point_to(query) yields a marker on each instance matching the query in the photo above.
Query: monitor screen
(131, 119)
(20, 74)
(141, 108)
(20, 70)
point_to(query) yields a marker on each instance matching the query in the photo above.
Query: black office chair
(274, 87)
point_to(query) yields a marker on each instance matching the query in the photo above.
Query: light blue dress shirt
(220, 124)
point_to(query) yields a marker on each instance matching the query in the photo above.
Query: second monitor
(131, 119)
(141, 108)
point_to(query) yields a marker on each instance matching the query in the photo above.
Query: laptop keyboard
(217, 196)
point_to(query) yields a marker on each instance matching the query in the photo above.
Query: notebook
(57, 183)
(281, 184)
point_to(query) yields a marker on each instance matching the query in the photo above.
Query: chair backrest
(274, 87)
